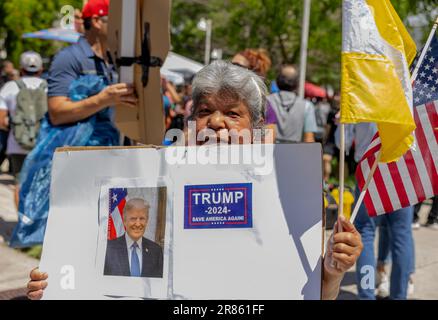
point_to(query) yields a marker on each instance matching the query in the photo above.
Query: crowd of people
(73, 107)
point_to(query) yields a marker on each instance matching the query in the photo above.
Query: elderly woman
(228, 97)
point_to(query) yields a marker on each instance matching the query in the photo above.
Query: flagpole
(341, 171)
(374, 167)
(365, 188)
(341, 182)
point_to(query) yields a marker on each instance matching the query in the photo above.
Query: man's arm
(62, 110)
(172, 93)
(309, 123)
(272, 127)
(271, 120)
(4, 117)
(64, 70)
(309, 137)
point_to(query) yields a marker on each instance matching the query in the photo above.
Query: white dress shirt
(129, 243)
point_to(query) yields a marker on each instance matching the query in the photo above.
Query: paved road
(14, 265)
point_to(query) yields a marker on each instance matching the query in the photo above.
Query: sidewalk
(426, 256)
(15, 265)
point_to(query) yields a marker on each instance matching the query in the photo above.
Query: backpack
(30, 110)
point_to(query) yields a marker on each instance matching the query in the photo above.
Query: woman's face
(222, 114)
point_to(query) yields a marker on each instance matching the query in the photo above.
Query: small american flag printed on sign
(117, 201)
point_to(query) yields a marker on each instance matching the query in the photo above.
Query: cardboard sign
(129, 20)
(211, 231)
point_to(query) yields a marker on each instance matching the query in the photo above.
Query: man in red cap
(82, 86)
(99, 8)
(88, 56)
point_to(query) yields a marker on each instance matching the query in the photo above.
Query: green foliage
(21, 16)
(237, 24)
(274, 25)
(187, 39)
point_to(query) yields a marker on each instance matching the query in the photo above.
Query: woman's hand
(343, 250)
(37, 284)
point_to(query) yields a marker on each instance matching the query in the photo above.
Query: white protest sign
(214, 231)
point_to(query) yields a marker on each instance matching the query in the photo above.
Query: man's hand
(120, 93)
(37, 284)
(343, 249)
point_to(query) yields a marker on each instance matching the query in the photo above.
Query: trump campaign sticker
(219, 206)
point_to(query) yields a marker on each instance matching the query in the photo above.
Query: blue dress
(97, 130)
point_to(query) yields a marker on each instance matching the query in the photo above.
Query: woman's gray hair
(222, 76)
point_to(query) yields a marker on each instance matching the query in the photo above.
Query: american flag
(413, 178)
(117, 201)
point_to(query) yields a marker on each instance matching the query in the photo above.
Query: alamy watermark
(367, 279)
(227, 147)
(67, 281)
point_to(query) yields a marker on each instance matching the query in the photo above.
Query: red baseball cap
(95, 8)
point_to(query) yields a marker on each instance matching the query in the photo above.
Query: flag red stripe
(381, 188)
(398, 183)
(432, 113)
(425, 152)
(433, 117)
(367, 199)
(121, 206)
(415, 177)
(372, 151)
(111, 229)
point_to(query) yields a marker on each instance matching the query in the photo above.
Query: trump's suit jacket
(117, 263)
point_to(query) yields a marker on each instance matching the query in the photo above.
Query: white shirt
(8, 101)
(129, 243)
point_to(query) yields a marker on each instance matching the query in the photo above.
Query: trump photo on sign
(136, 229)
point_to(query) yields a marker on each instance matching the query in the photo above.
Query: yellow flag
(376, 85)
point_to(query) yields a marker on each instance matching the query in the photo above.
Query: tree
(21, 16)
(274, 25)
